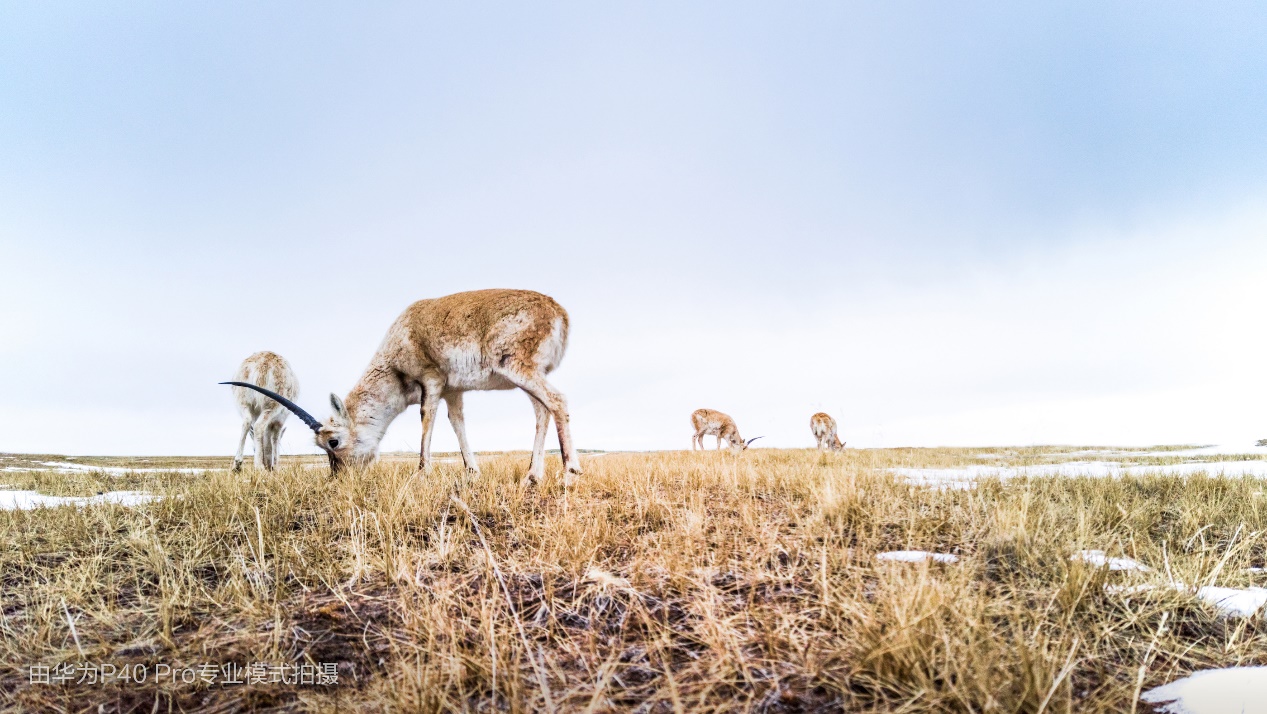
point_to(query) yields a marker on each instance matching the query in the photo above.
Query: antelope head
(337, 437)
(743, 446)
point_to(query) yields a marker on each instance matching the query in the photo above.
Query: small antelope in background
(440, 349)
(824, 428)
(262, 417)
(710, 422)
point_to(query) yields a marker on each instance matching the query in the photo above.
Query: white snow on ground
(1220, 450)
(1237, 448)
(1235, 690)
(1099, 560)
(965, 476)
(1234, 602)
(916, 556)
(27, 500)
(1231, 602)
(63, 467)
(1214, 468)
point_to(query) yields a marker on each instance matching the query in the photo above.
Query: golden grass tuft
(672, 581)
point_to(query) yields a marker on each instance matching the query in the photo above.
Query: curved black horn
(304, 416)
(749, 442)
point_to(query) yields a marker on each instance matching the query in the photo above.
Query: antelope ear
(337, 405)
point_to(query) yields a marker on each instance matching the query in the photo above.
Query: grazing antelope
(824, 428)
(261, 417)
(710, 422)
(441, 348)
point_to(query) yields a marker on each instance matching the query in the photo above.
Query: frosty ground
(780, 580)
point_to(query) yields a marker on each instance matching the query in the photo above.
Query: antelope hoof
(532, 478)
(570, 474)
(237, 467)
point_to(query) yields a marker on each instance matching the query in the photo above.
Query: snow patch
(1234, 690)
(916, 556)
(63, 467)
(1098, 559)
(966, 476)
(1243, 448)
(1234, 602)
(28, 500)
(1230, 602)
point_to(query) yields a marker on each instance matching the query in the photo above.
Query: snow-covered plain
(1235, 690)
(966, 476)
(1228, 449)
(63, 467)
(28, 500)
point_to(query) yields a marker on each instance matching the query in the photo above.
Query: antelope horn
(304, 416)
(749, 442)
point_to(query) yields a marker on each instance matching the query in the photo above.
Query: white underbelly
(469, 382)
(467, 372)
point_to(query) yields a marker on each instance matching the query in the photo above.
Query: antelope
(263, 418)
(710, 422)
(439, 349)
(824, 428)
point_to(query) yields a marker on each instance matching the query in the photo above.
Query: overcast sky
(942, 223)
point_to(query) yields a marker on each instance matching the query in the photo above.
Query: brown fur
(262, 417)
(824, 429)
(710, 422)
(442, 347)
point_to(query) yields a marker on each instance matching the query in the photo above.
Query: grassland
(666, 582)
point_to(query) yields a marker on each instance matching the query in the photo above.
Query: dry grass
(662, 582)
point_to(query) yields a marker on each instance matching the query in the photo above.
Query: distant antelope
(264, 418)
(439, 349)
(824, 428)
(710, 422)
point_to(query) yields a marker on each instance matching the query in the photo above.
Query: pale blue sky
(944, 223)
